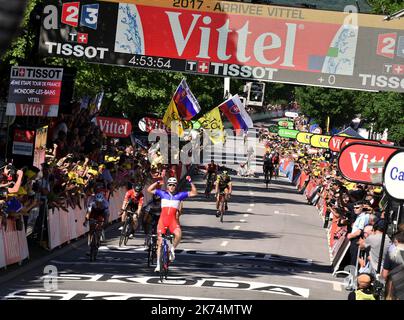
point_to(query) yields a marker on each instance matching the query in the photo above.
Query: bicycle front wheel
(93, 247)
(123, 233)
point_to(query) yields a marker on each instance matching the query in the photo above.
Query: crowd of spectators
(359, 209)
(80, 161)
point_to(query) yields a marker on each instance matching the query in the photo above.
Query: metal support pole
(386, 223)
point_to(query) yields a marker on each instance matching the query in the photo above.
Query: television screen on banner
(231, 39)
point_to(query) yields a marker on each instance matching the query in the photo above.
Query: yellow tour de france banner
(304, 137)
(212, 123)
(320, 141)
(172, 118)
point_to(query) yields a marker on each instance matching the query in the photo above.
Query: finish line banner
(239, 40)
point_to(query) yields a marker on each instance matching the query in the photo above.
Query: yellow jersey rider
(223, 185)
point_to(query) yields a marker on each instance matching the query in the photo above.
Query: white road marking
(337, 287)
(246, 215)
(334, 283)
(249, 209)
(252, 205)
(251, 193)
(242, 220)
(224, 243)
(286, 214)
(236, 228)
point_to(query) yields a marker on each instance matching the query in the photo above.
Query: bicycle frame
(95, 236)
(165, 255)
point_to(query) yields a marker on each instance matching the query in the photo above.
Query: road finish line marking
(237, 255)
(246, 215)
(224, 243)
(242, 220)
(249, 209)
(42, 294)
(252, 205)
(334, 283)
(236, 228)
(196, 282)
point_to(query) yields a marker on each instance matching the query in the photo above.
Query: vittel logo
(248, 44)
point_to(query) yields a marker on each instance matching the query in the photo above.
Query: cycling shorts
(168, 221)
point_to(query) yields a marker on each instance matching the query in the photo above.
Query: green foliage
(319, 103)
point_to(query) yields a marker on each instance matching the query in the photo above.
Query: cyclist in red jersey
(170, 203)
(134, 200)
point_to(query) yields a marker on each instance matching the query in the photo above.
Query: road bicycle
(222, 205)
(209, 184)
(151, 242)
(167, 240)
(96, 227)
(127, 228)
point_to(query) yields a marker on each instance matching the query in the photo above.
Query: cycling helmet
(138, 188)
(172, 180)
(99, 197)
(225, 174)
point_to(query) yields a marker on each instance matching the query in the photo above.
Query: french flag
(186, 104)
(235, 112)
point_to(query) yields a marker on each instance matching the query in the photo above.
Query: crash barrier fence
(62, 226)
(338, 243)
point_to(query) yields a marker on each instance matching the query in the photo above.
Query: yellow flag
(172, 118)
(212, 123)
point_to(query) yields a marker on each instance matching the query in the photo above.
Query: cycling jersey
(169, 207)
(223, 182)
(98, 212)
(212, 168)
(134, 200)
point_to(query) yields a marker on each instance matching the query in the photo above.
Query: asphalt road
(270, 246)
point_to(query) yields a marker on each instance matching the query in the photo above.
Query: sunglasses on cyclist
(172, 185)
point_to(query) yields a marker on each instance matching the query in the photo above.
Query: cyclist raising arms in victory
(170, 202)
(223, 184)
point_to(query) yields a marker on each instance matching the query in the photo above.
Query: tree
(319, 103)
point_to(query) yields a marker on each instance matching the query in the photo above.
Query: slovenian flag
(185, 102)
(235, 112)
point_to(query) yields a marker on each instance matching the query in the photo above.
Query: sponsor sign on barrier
(335, 143)
(355, 162)
(23, 143)
(393, 176)
(288, 133)
(228, 39)
(304, 137)
(114, 127)
(319, 141)
(2, 249)
(348, 141)
(286, 124)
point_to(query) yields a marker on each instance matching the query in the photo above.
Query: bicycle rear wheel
(127, 232)
(123, 233)
(222, 209)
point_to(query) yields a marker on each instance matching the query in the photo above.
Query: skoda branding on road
(227, 39)
(393, 176)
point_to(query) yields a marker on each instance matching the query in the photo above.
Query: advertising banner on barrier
(227, 39)
(335, 143)
(393, 176)
(286, 124)
(363, 163)
(304, 137)
(114, 127)
(288, 133)
(147, 124)
(319, 141)
(23, 143)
